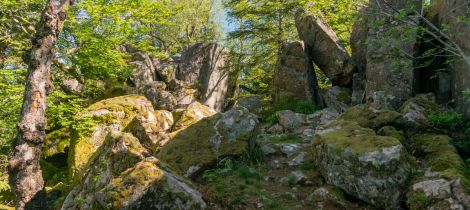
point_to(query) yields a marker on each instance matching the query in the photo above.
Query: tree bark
(25, 173)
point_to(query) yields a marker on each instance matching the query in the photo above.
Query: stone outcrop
(204, 67)
(192, 114)
(290, 76)
(451, 15)
(370, 167)
(389, 66)
(122, 175)
(323, 47)
(337, 98)
(253, 103)
(201, 73)
(194, 149)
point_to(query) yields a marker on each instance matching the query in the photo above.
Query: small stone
(298, 160)
(275, 164)
(308, 134)
(275, 129)
(268, 149)
(290, 120)
(290, 149)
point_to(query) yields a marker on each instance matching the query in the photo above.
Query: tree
(25, 173)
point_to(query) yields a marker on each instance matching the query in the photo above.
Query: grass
(286, 138)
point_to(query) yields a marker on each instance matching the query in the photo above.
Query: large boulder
(389, 67)
(369, 117)
(290, 76)
(338, 98)
(453, 16)
(205, 68)
(253, 103)
(161, 99)
(370, 167)
(91, 126)
(199, 146)
(324, 48)
(121, 175)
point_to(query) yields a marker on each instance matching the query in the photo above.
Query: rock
(389, 68)
(358, 89)
(297, 160)
(338, 98)
(324, 48)
(143, 72)
(290, 76)
(380, 101)
(371, 118)
(392, 132)
(452, 18)
(253, 103)
(203, 66)
(294, 178)
(91, 126)
(358, 40)
(72, 86)
(122, 176)
(202, 144)
(183, 92)
(290, 120)
(415, 112)
(308, 134)
(275, 129)
(322, 117)
(161, 99)
(372, 168)
(192, 114)
(275, 164)
(268, 149)
(290, 149)
(328, 197)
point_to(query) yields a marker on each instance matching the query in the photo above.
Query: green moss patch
(364, 116)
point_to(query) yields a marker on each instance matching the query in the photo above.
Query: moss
(417, 200)
(90, 128)
(56, 142)
(192, 114)
(369, 118)
(392, 132)
(285, 138)
(349, 135)
(428, 105)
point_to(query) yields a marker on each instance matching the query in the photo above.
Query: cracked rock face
(370, 167)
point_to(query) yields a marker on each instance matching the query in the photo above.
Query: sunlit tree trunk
(25, 173)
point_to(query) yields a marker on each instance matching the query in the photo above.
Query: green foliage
(446, 120)
(61, 109)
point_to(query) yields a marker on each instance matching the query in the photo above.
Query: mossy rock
(56, 142)
(192, 114)
(392, 132)
(370, 167)
(367, 117)
(200, 145)
(122, 175)
(439, 154)
(91, 126)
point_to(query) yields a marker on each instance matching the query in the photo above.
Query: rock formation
(290, 77)
(323, 47)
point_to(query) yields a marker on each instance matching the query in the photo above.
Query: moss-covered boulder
(192, 114)
(370, 167)
(200, 145)
(444, 185)
(416, 112)
(122, 175)
(368, 117)
(91, 126)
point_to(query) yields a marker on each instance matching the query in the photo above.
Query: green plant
(446, 120)
(287, 102)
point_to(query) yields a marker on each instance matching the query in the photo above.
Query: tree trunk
(25, 173)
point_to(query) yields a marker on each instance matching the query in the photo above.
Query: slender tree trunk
(25, 173)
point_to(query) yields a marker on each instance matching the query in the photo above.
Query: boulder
(203, 66)
(199, 146)
(369, 117)
(453, 16)
(143, 72)
(253, 103)
(337, 98)
(370, 167)
(192, 114)
(161, 99)
(91, 126)
(290, 120)
(183, 92)
(72, 85)
(290, 76)
(415, 112)
(322, 117)
(324, 48)
(56, 142)
(121, 175)
(389, 66)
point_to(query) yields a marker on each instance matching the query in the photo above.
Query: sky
(222, 18)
